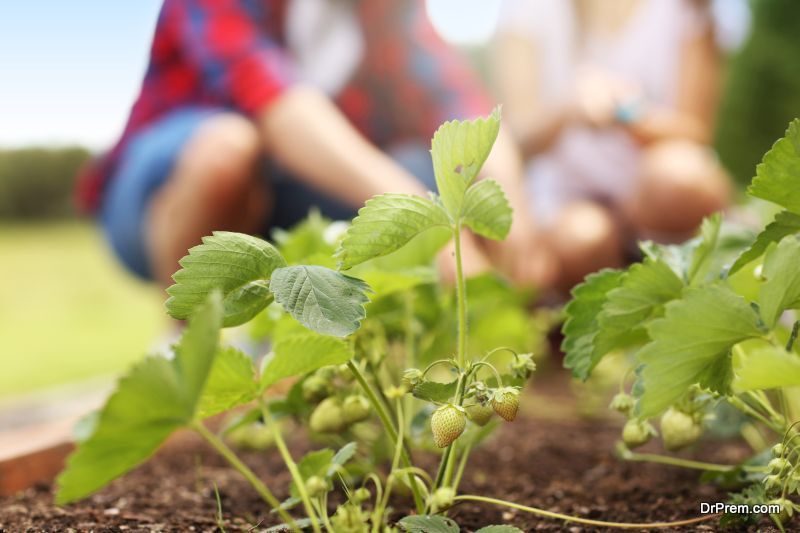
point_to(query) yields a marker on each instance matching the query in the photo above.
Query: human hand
(599, 94)
(525, 256)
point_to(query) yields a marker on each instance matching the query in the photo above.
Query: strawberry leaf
(778, 175)
(428, 524)
(693, 260)
(486, 210)
(459, 150)
(582, 326)
(232, 382)
(433, 391)
(641, 296)
(781, 290)
(692, 344)
(154, 399)
(238, 265)
(387, 223)
(302, 353)
(759, 365)
(321, 299)
(785, 223)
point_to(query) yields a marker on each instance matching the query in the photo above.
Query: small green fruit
(412, 377)
(361, 495)
(442, 499)
(505, 402)
(637, 432)
(316, 486)
(355, 409)
(447, 424)
(622, 403)
(679, 429)
(479, 413)
(315, 388)
(523, 366)
(328, 417)
(350, 518)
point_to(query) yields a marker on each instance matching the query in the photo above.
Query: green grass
(68, 310)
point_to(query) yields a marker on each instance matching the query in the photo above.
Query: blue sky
(69, 69)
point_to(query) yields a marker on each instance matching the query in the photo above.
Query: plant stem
(243, 469)
(685, 463)
(445, 467)
(388, 426)
(461, 297)
(587, 521)
(290, 465)
(793, 336)
(462, 464)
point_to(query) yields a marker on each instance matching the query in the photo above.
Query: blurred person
(253, 111)
(612, 103)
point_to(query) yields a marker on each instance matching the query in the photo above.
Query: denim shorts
(148, 161)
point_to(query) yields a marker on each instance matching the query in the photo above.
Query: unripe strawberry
(523, 366)
(315, 389)
(622, 403)
(328, 417)
(355, 409)
(777, 450)
(447, 424)
(442, 499)
(787, 510)
(479, 413)
(778, 465)
(505, 402)
(316, 486)
(679, 429)
(637, 432)
(412, 377)
(361, 494)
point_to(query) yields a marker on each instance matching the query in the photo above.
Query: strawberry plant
(366, 386)
(707, 323)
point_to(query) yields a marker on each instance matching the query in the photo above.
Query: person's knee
(586, 238)
(681, 183)
(220, 158)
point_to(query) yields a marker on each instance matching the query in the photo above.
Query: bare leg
(214, 186)
(681, 183)
(585, 238)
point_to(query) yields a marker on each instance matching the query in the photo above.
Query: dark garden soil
(565, 465)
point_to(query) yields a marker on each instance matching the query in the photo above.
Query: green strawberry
(447, 424)
(315, 388)
(622, 403)
(316, 486)
(505, 402)
(523, 366)
(412, 377)
(442, 499)
(355, 409)
(637, 432)
(479, 413)
(679, 429)
(328, 417)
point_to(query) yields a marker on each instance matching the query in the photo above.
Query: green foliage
(154, 399)
(759, 365)
(428, 524)
(321, 299)
(781, 290)
(785, 223)
(458, 150)
(778, 176)
(692, 344)
(387, 223)
(38, 183)
(499, 529)
(232, 382)
(303, 353)
(432, 391)
(238, 265)
(582, 326)
(486, 210)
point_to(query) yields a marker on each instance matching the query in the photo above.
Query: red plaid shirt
(233, 54)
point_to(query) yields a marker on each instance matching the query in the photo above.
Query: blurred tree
(39, 182)
(763, 88)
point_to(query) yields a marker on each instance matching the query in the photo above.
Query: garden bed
(562, 465)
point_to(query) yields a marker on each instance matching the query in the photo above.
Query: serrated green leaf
(238, 265)
(781, 290)
(759, 365)
(581, 325)
(428, 524)
(385, 283)
(486, 210)
(323, 300)
(387, 223)
(305, 352)
(778, 175)
(458, 150)
(640, 297)
(341, 458)
(154, 399)
(433, 391)
(785, 223)
(691, 344)
(703, 249)
(230, 383)
(499, 529)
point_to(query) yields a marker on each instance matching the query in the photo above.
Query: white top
(585, 162)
